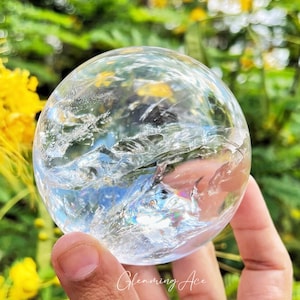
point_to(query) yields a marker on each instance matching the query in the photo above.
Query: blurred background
(253, 45)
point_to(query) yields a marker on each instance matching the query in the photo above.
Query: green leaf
(296, 290)
(286, 4)
(28, 11)
(231, 283)
(158, 15)
(110, 37)
(39, 69)
(45, 15)
(284, 188)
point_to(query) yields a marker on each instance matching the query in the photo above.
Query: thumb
(87, 270)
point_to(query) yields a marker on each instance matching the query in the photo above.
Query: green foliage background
(51, 37)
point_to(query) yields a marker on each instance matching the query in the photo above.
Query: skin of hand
(87, 270)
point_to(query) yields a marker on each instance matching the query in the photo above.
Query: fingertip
(76, 256)
(88, 270)
(70, 240)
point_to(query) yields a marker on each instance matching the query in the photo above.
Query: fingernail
(79, 262)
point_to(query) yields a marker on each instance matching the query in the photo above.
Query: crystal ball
(145, 149)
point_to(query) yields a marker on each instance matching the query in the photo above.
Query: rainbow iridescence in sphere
(146, 150)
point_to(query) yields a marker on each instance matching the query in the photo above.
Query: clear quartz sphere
(145, 149)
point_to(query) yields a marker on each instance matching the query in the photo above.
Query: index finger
(268, 270)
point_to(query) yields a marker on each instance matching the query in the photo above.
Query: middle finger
(147, 282)
(198, 275)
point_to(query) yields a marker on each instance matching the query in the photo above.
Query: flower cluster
(23, 281)
(19, 104)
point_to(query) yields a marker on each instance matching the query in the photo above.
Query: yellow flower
(295, 213)
(55, 281)
(104, 79)
(57, 231)
(159, 3)
(156, 89)
(3, 288)
(247, 60)
(25, 280)
(180, 29)
(246, 5)
(43, 236)
(198, 14)
(39, 223)
(19, 104)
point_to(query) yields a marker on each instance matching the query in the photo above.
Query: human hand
(87, 270)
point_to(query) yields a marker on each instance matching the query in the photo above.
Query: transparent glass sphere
(146, 150)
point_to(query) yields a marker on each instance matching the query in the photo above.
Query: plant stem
(265, 101)
(44, 247)
(12, 202)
